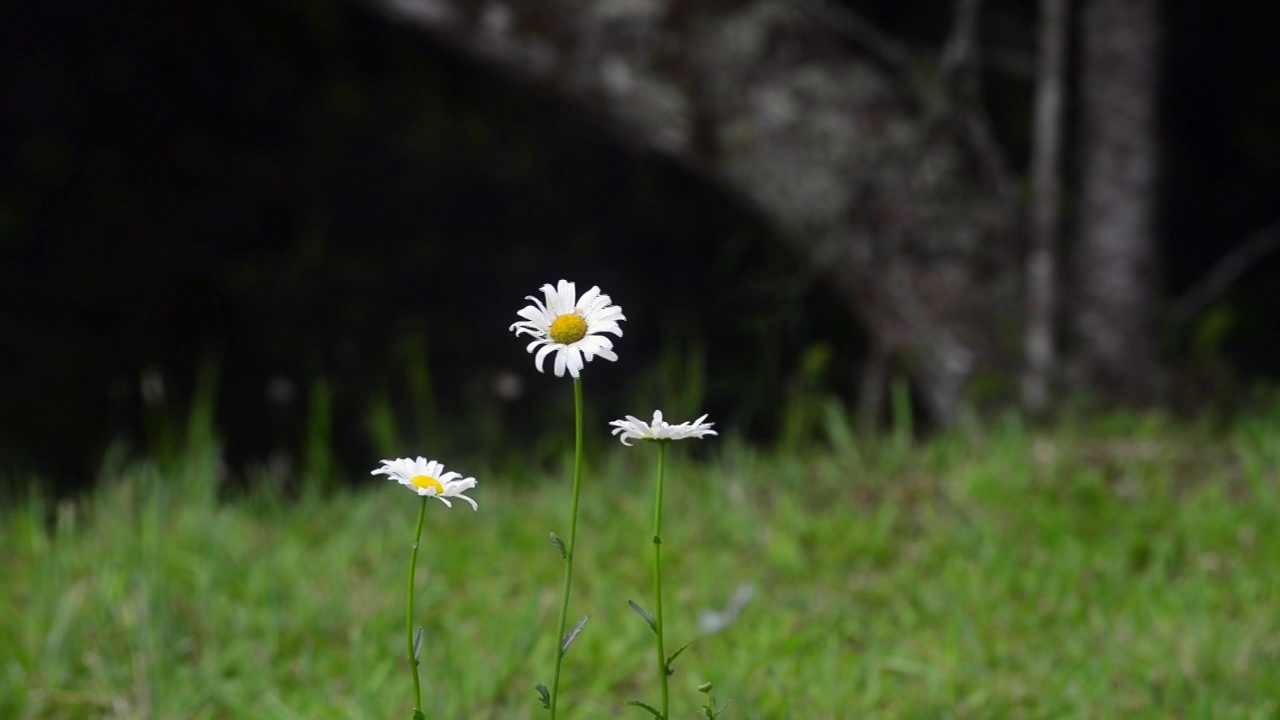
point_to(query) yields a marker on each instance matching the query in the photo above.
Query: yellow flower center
(426, 483)
(568, 329)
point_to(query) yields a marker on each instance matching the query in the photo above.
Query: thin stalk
(413, 567)
(657, 581)
(573, 537)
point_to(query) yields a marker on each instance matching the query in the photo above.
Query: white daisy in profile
(633, 428)
(569, 326)
(428, 478)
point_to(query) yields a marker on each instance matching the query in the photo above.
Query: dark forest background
(331, 216)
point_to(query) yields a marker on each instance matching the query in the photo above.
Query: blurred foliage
(347, 215)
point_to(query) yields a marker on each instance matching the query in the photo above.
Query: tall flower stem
(657, 581)
(413, 567)
(573, 537)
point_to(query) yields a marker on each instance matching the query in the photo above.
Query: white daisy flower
(633, 428)
(569, 326)
(427, 477)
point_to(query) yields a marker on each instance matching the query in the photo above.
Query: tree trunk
(883, 183)
(1115, 310)
(1046, 173)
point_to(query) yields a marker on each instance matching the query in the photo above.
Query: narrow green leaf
(417, 644)
(418, 715)
(568, 640)
(544, 695)
(646, 706)
(675, 655)
(653, 622)
(555, 540)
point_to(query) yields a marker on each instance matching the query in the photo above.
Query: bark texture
(870, 159)
(1046, 189)
(1115, 317)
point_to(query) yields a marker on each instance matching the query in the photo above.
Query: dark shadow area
(320, 204)
(332, 212)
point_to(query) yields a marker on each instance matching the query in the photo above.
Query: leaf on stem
(544, 695)
(555, 540)
(646, 706)
(675, 655)
(417, 644)
(418, 715)
(573, 634)
(653, 622)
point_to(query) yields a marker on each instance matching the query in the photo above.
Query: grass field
(1130, 570)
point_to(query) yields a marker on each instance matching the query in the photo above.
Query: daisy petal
(585, 303)
(659, 429)
(542, 354)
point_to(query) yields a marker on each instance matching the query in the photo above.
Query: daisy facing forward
(569, 326)
(661, 432)
(633, 428)
(428, 479)
(572, 327)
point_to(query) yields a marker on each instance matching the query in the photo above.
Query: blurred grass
(1126, 568)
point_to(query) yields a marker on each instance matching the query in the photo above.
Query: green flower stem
(657, 580)
(413, 566)
(573, 536)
